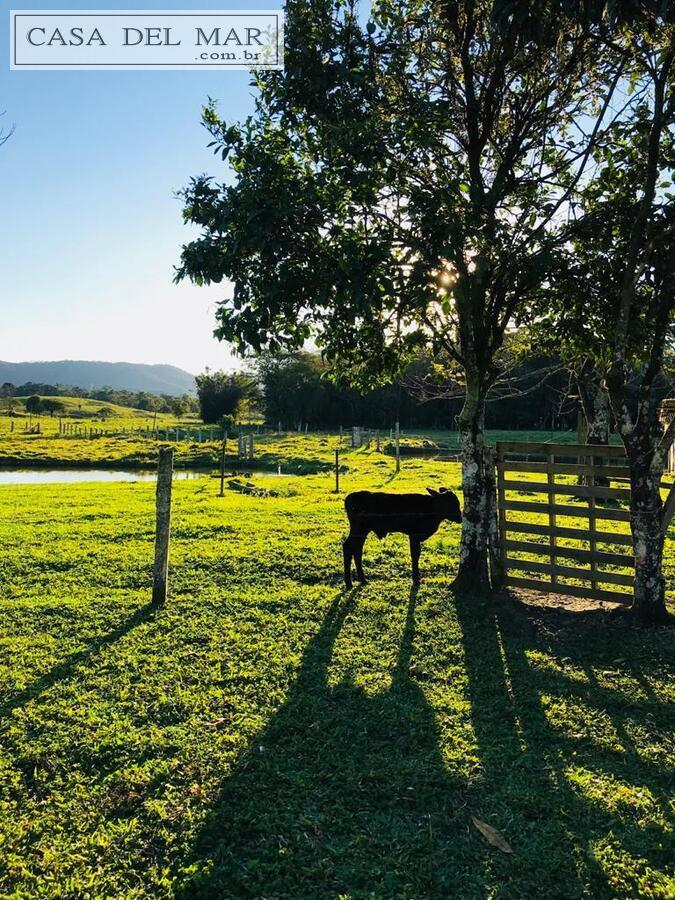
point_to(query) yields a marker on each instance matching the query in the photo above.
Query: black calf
(416, 515)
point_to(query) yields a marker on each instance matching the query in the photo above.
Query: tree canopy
(428, 179)
(222, 394)
(398, 189)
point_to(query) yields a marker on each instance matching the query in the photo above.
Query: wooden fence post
(337, 471)
(222, 466)
(398, 448)
(552, 518)
(494, 544)
(163, 526)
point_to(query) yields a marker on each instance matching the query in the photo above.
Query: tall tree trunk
(473, 557)
(595, 409)
(649, 595)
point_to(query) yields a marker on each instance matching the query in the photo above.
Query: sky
(90, 228)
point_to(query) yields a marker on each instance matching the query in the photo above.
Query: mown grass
(269, 734)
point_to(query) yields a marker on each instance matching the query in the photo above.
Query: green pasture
(268, 734)
(79, 409)
(126, 443)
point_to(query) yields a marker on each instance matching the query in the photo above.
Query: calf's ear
(432, 492)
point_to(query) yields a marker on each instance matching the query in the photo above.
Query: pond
(73, 476)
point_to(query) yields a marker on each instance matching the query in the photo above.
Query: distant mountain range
(90, 375)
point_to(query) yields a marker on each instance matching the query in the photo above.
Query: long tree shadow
(65, 670)
(533, 726)
(343, 794)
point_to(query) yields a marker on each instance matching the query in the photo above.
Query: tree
(34, 405)
(222, 394)
(623, 249)
(149, 402)
(292, 387)
(399, 188)
(179, 406)
(594, 402)
(7, 391)
(535, 18)
(52, 406)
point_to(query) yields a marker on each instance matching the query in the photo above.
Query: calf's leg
(415, 546)
(347, 553)
(359, 541)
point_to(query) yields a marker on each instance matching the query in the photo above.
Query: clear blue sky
(90, 228)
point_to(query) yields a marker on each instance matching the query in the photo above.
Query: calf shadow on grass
(343, 794)
(533, 739)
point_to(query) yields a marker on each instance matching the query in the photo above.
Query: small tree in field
(7, 391)
(400, 188)
(222, 394)
(34, 405)
(52, 406)
(292, 387)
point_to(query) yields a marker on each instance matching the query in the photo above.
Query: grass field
(268, 734)
(125, 445)
(80, 409)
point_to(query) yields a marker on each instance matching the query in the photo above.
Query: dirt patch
(562, 601)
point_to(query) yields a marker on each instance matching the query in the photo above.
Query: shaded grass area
(268, 734)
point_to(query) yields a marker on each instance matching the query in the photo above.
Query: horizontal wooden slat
(559, 449)
(613, 472)
(570, 590)
(560, 509)
(572, 490)
(664, 485)
(581, 534)
(524, 565)
(612, 559)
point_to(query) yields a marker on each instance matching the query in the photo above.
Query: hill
(85, 408)
(90, 375)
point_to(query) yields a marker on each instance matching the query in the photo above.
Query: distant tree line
(163, 403)
(296, 389)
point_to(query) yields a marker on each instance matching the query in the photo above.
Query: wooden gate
(564, 519)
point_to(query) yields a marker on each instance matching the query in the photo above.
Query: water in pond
(71, 476)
